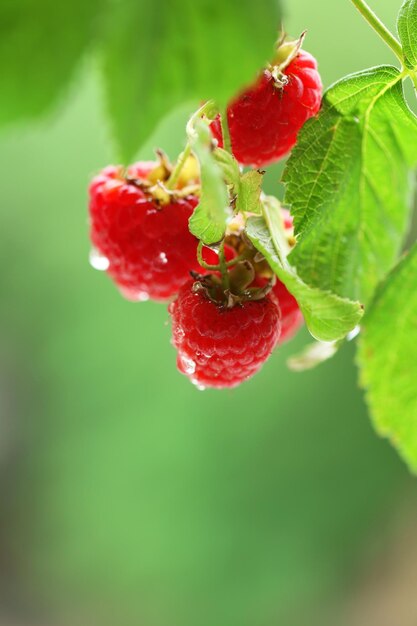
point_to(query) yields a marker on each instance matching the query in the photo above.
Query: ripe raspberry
(211, 256)
(148, 246)
(265, 119)
(221, 347)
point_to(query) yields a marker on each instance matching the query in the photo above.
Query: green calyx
(241, 287)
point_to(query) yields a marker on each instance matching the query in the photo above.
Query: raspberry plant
(347, 185)
(342, 265)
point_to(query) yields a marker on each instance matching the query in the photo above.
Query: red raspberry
(148, 247)
(220, 347)
(211, 257)
(291, 316)
(265, 119)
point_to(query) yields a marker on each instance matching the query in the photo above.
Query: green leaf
(209, 220)
(229, 166)
(328, 317)
(41, 44)
(249, 193)
(160, 54)
(348, 181)
(388, 358)
(245, 187)
(407, 30)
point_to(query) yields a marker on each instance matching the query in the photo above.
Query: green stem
(227, 142)
(209, 108)
(223, 267)
(217, 268)
(202, 262)
(378, 26)
(173, 179)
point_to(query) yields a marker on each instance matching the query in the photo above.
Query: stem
(202, 262)
(173, 179)
(209, 108)
(223, 267)
(227, 143)
(378, 26)
(216, 268)
(413, 77)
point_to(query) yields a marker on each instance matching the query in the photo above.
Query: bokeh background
(129, 497)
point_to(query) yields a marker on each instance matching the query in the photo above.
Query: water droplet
(134, 295)
(162, 258)
(142, 296)
(98, 261)
(187, 365)
(353, 333)
(179, 333)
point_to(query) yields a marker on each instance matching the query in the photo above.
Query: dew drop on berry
(178, 332)
(162, 259)
(186, 365)
(98, 261)
(133, 294)
(198, 385)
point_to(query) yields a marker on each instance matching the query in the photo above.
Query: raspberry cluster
(228, 310)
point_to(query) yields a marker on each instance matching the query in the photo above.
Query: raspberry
(147, 244)
(265, 119)
(211, 257)
(291, 316)
(218, 346)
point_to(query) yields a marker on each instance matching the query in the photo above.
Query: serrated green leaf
(407, 30)
(388, 358)
(160, 54)
(249, 193)
(41, 44)
(328, 317)
(348, 181)
(209, 220)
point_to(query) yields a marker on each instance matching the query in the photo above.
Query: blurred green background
(129, 497)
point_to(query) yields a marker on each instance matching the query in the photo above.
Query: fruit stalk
(223, 267)
(379, 27)
(173, 179)
(201, 261)
(216, 268)
(227, 143)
